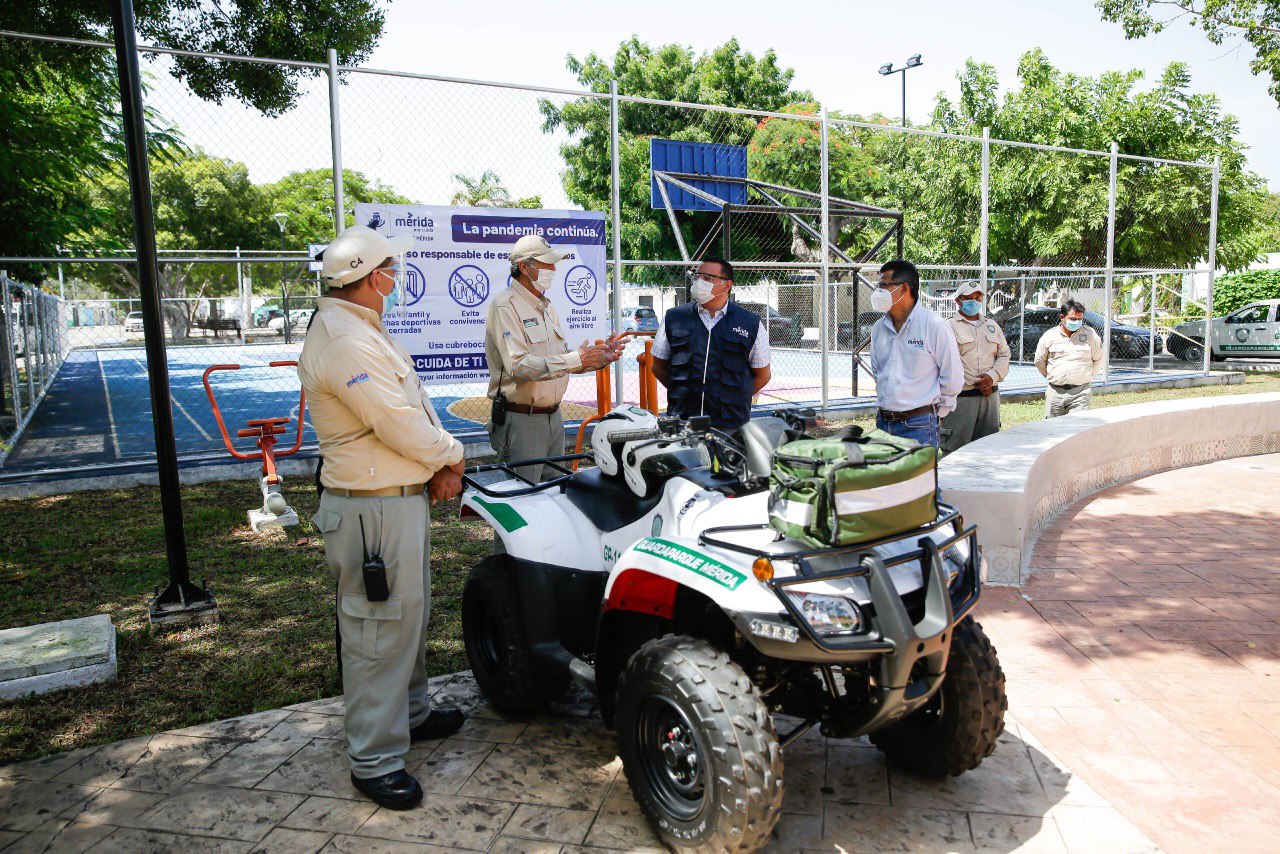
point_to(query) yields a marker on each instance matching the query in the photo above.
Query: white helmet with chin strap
(622, 425)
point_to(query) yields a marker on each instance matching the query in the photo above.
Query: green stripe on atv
(504, 514)
(720, 573)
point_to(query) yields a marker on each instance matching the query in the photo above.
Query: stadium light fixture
(913, 61)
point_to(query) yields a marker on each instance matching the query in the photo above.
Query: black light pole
(181, 602)
(913, 61)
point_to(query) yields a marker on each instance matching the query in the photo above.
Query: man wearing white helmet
(382, 447)
(530, 360)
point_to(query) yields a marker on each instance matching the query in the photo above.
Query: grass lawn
(87, 553)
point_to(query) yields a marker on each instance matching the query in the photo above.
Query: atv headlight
(828, 615)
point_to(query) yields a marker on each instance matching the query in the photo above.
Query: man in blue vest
(711, 353)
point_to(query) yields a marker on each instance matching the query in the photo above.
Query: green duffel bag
(852, 488)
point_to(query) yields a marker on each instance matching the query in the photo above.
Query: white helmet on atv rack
(624, 424)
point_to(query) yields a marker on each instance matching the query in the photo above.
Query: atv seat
(607, 501)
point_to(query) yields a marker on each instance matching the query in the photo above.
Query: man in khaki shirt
(985, 356)
(1069, 356)
(382, 447)
(530, 360)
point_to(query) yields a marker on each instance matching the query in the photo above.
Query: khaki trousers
(384, 674)
(528, 437)
(973, 418)
(1066, 399)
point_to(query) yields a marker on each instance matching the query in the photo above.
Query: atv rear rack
(510, 469)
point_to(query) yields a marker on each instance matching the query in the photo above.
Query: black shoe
(395, 791)
(440, 723)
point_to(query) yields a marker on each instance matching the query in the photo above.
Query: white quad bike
(655, 581)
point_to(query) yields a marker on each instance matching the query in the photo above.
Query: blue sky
(393, 128)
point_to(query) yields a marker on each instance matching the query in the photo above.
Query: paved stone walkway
(1142, 655)
(277, 781)
(1145, 651)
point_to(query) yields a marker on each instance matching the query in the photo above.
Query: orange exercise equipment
(604, 387)
(275, 510)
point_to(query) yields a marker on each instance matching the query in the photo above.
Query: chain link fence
(811, 207)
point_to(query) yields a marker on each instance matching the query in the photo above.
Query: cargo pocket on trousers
(326, 521)
(372, 629)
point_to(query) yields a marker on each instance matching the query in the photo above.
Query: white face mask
(881, 300)
(543, 280)
(702, 291)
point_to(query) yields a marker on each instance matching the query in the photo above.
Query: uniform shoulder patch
(362, 377)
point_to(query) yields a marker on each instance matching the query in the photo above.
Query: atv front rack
(867, 564)
(509, 468)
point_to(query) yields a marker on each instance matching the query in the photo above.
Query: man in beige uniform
(382, 447)
(1069, 356)
(985, 356)
(530, 361)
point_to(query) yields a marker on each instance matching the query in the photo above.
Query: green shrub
(1237, 291)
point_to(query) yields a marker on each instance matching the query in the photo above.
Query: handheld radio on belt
(498, 412)
(375, 572)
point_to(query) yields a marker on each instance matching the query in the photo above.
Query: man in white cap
(382, 448)
(985, 356)
(530, 360)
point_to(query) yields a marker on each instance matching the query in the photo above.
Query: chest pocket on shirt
(992, 333)
(964, 334)
(536, 332)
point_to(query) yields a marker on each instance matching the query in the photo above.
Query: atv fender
(647, 574)
(537, 528)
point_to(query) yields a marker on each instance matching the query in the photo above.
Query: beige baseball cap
(357, 252)
(536, 247)
(968, 289)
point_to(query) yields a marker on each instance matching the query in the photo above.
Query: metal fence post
(1111, 263)
(986, 215)
(1022, 317)
(11, 351)
(1213, 261)
(26, 348)
(824, 301)
(615, 207)
(335, 141)
(1151, 350)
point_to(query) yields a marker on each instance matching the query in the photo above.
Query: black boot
(440, 723)
(395, 791)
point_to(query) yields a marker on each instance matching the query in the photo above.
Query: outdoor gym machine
(275, 511)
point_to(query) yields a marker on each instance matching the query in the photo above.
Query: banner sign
(460, 261)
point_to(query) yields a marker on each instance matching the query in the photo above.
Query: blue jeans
(922, 428)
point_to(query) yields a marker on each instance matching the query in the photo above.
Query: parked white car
(133, 323)
(297, 320)
(1249, 332)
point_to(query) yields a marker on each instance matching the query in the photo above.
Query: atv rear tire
(493, 631)
(964, 718)
(698, 747)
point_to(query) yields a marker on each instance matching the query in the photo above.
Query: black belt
(903, 416)
(1061, 389)
(528, 409)
(973, 392)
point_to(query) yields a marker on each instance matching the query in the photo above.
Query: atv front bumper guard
(910, 654)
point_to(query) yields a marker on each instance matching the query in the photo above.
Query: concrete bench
(1013, 484)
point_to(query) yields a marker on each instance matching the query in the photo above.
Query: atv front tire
(698, 747)
(959, 726)
(493, 631)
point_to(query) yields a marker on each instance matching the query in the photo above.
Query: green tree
(725, 76)
(1050, 208)
(307, 197)
(201, 202)
(1232, 292)
(1255, 21)
(282, 29)
(483, 192)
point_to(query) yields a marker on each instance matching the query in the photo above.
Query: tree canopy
(1255, 21)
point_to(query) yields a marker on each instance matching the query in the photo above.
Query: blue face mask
(391, 300)
(1074, 325)
(971, 307)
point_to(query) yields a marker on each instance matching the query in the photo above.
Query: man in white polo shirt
(914, 358)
